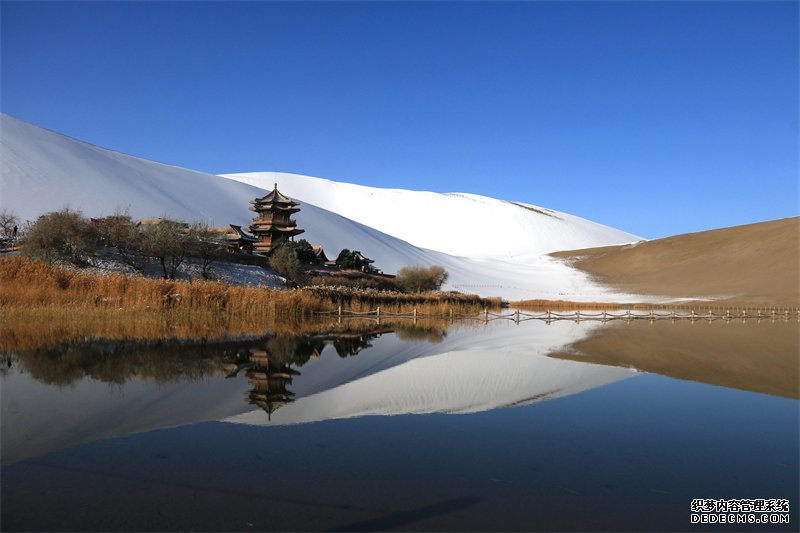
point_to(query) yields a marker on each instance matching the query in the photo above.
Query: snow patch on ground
(109, 261)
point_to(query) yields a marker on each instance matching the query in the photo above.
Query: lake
(431, 426)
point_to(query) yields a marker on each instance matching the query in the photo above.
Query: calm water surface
(499, 427)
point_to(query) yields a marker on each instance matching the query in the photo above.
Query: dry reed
(543, 305)
(28, 287)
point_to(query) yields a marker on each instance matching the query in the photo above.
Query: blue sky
(655, 117)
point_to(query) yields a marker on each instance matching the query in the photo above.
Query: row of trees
(69, 236)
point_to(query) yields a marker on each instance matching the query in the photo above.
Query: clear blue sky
(654, 117)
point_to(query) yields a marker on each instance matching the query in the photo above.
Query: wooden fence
(652, 315)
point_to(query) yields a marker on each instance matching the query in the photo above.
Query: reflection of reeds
(544, 305)
(61, 355)
(27, 284)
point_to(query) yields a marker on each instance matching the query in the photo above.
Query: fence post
(516, 317)
(340, 311)
(378, 311)
(486, 315)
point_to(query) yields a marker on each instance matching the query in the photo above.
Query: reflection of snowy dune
(474, 371)
(470, 370)
(490, 247)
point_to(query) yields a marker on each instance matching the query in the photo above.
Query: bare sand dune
(760, 357)
(755, 263)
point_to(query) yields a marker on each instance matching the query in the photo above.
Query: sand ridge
(750, 264)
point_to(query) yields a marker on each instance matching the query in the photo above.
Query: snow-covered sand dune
(454, 223)
(43, 171)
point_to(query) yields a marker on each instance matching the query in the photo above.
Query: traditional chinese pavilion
(273, 225)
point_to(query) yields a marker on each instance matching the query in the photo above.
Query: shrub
(285, 262)
(346, 259)
(61, 235)
(303, 250)
(421, 279)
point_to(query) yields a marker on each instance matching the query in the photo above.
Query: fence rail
(582, 316)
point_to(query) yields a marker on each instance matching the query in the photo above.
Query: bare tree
(204, 245)
(121, 232)
(8, 221)
(168, 243)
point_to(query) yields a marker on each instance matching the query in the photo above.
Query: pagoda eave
(270, 229)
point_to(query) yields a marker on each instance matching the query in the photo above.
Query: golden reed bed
(39, 301)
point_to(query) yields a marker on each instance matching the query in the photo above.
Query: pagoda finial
(276, 185)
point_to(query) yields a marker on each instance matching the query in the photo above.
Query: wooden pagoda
(273, 224)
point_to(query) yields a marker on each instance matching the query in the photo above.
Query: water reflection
(759, 356)
(54, 396)
(468, 371)
(270, 372)
(628, 456)
(83, 390)
(61, 395)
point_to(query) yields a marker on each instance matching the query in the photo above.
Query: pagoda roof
(319, 253)
(361, 257)
(261, 228)
(274, 197)
(258, 207)
(242, 235)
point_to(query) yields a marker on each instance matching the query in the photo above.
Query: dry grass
(719, 308)
(30, 284)
(33, 291)
(544, 305)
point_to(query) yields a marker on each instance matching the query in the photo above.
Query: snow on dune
(44, 171)
(471, 371)
(455, 223)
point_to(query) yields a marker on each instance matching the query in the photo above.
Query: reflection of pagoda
(273, 224)
(268, 363)
(269, 380)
